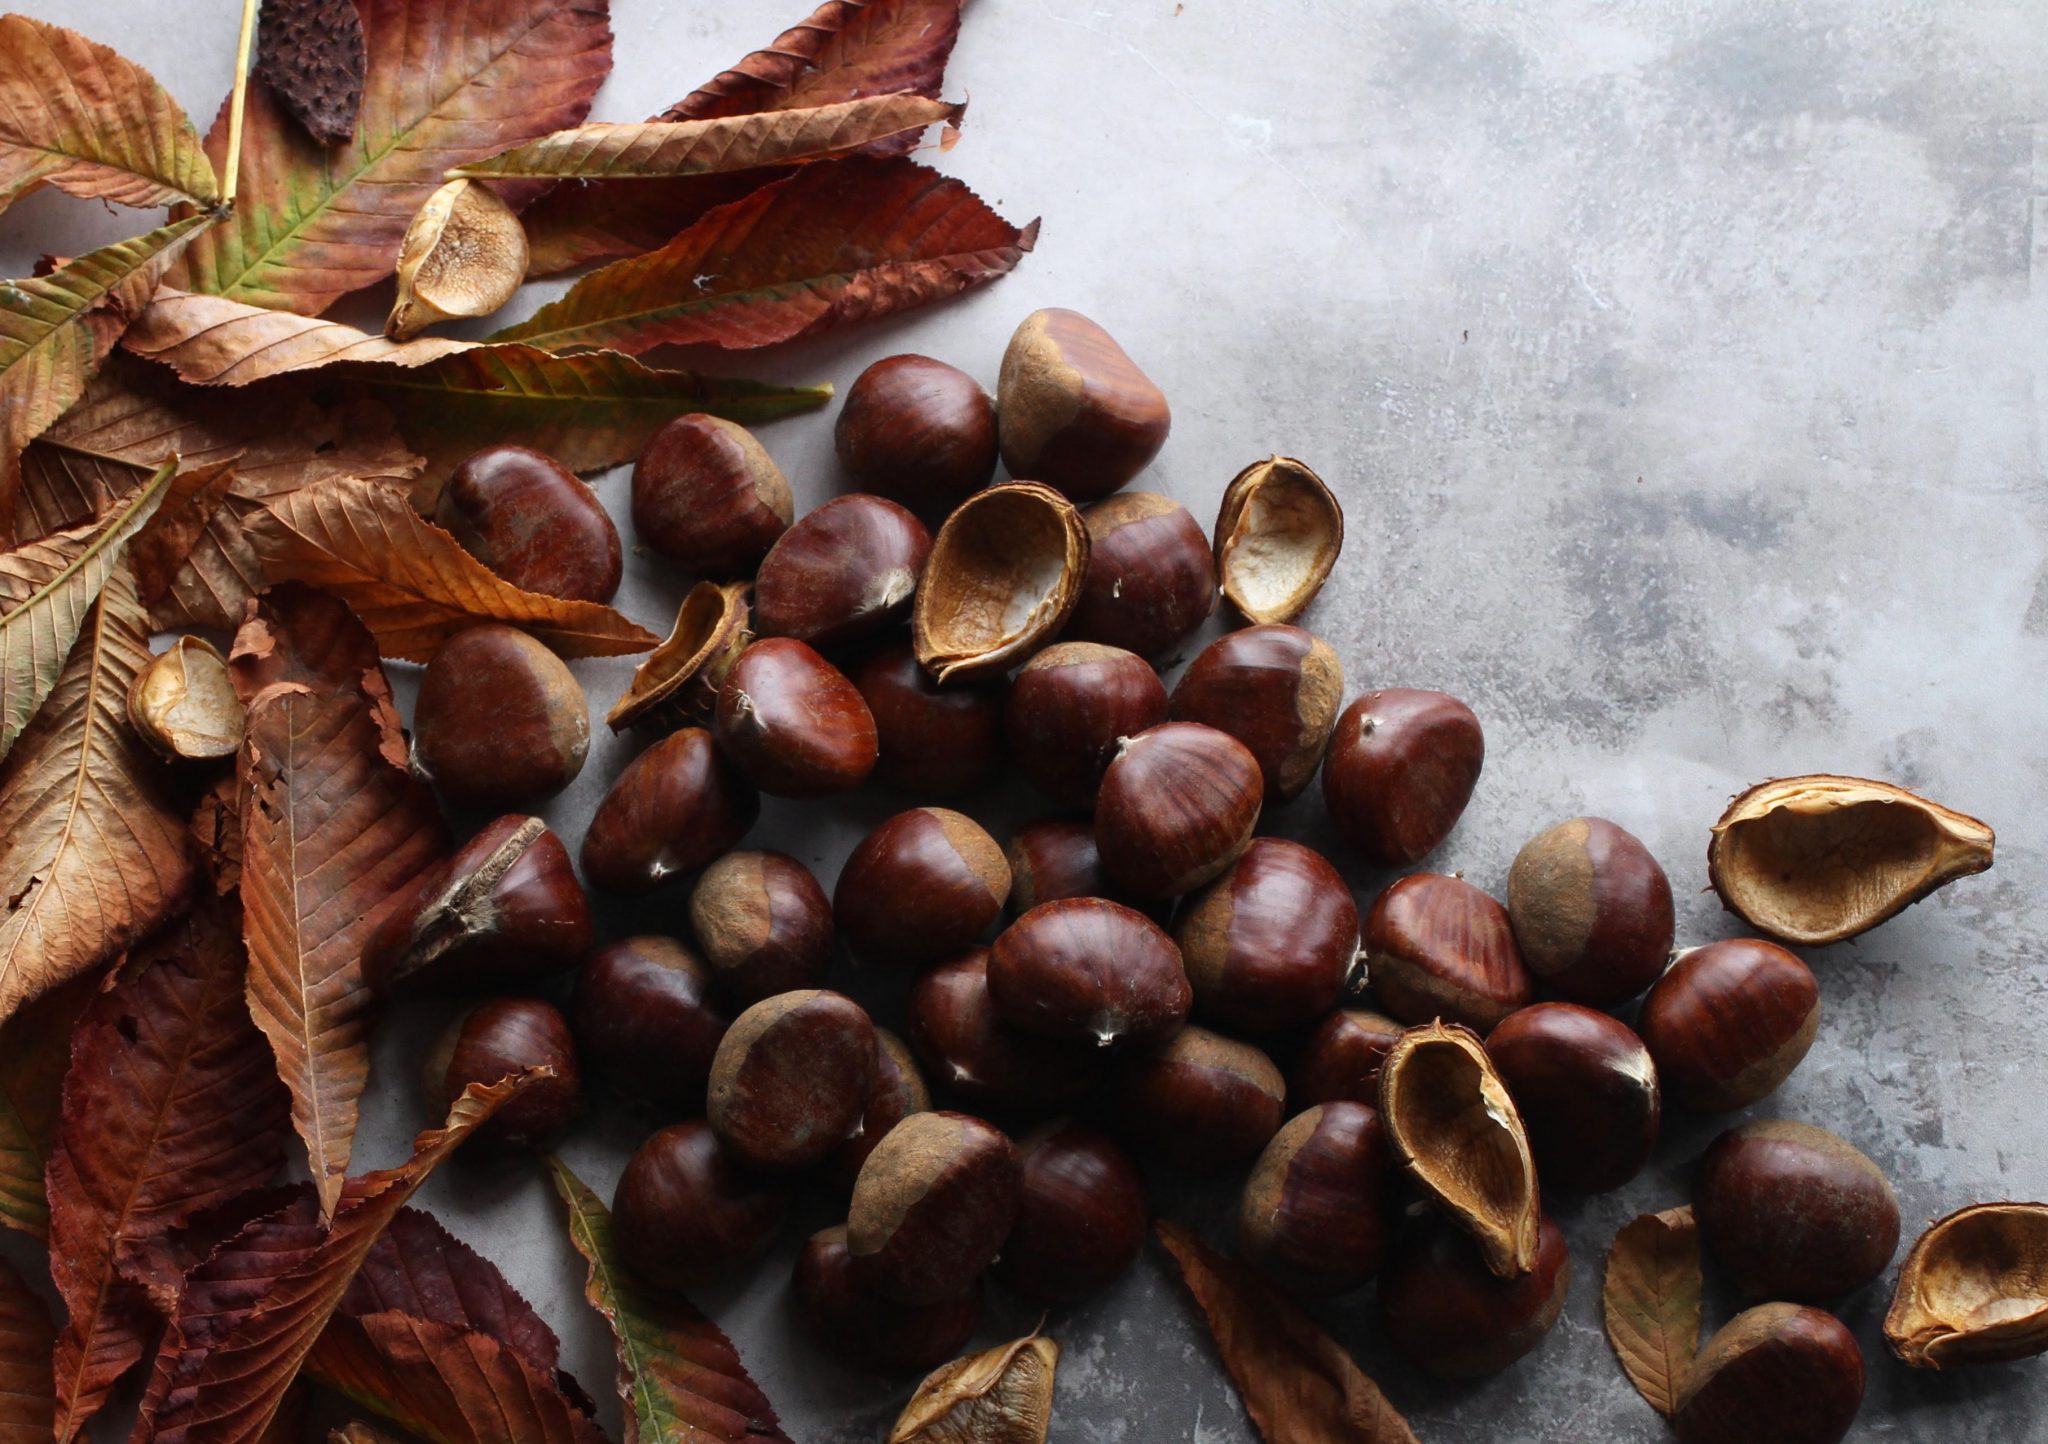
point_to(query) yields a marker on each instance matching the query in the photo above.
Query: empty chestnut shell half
(1080, 1219)
(932, 1206)
(498, 1038)
(1438, 947)
(1151, 579)
(678, 683)
(1277, 536)
(899, 1091)
(1342, 1058)
(1089, 970)
(924, 884)
(1177, 806)
(1073, 409)
(1314, 1215)
(791, 1078)
(1455, 1319)
(1592, 911)
(932, 741)
(844, 571)
(917, 431)
(530, 520)
(1776, 1374)
(764, 924)
(1003, 576)
(687, 1216)
(1276, 689)
(1400, 768)
(1587, 1091)
(499, 719)
(971, 1053)
(1068, 709)
(861, 1327)
(792, 722)
(648, 1020)
(677, 806)
(183, 702)
(1974, 1290)
(1203, 1102)
(1271, 944)
(1728, 1022)
(706, 494)
(1793, 1212)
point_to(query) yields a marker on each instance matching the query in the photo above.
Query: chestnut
(1453, 1318)
(1270, 944)
(1080, 1220)
(791, 1078)
(1055, 858)
(647, 1018)
(932, 1206)
(687, 1216)
(931, 741)
(1151, 577)
(764, 924)
(924, 884)
(792, 722)
(675, 808)
(863, 1328)
(499, 719)
(917, 431)
(1068, 709)
(506, 909)
(1276, 689)
(501, 1037)
(1073, 410)
(1591, 910)
(1438, 947)
(1315, 1212)
(899, 1091)
(1400, 768)
(706, 494)
(847, 570)
(983, 1061)
(1203, 1102)
(1793, 1212)
(1728, 1022)
(1342, 1058)
(1177, 805)
(1089, 970)
(1587, 1092)
(533, 522)
(1776, 1374)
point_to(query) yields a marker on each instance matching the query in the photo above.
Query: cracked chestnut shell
(675, 808)
(1202, 1102)
(1068, 709)
(1453, 1318)
(764, 924)
(499, 719)
(1151, 579)
(844, 571)
(1003, 576)
(792, 722)
(924, 884)
(1587, 1091)
(1400, 768)
(791, 1079)
(1177, 806)
(1314, 1215)
(1728, 1022)
(1276, 689)
(1270, 945)
(1277, 536)
(1974, 1289)
(1592, 911)
(931, 741)
(917, 431)
(848, 1318)
(932, 1206)
(981, 1060)
(1080, 1218)
(648, 1019)
(687, 1216)
(501, 1037)
(1794, 1212)
(677, 684)
(533, 522)
(1342, 1058)
(706, 494)
(1088, 970)
(1074, 410)
(1777, 1374)
(1438, 947)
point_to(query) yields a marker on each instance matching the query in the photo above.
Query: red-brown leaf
(217, 835)
(308, 638)
(27, 1400)
(840, 240)
(170, 1106)
(421, 1269)
(311, 54)
(35, 1049)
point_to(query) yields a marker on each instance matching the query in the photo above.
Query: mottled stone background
(1680, 364)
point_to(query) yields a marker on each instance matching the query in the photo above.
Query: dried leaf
(1652, 1301)
(449, 81)
(412, 583)
(164, 547)
(840, 240)
(311, 55)
(217, 835)
(35, 1049)
(90, 856)
(361, 1431)
(27, 1399)
(681, 1378)
(843, 50)
(709, 147)
(999, 1396)
(75, 115)
(301, 635)
(171, 1106)
(420, 1269)
(1298, 1384)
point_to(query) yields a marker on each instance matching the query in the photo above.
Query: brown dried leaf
(27, 1399)
(162, 549)
(35, 1048)
(999, 1396)
(311, 54)
(1298, 1384)
(217, 835)
(301, 635)
(1652, 1301)
(420, 1269)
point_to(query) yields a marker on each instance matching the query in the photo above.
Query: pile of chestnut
(1128, 974)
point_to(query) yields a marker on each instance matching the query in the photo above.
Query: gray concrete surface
(1680, 364)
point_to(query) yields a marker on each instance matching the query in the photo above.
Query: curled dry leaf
(28, 1402)
(163, 548)
(361, 1431)
(1277, 537)
(301, 635)
(1004, 574)
(35, 1049)
(1817, 859)
(999, 1396)
(1298, 1384)
(463, 256)
(1453, 1125)
(1974, 1290)
(183, 704)
(1651, 1299)
(680, 679)
(311, 55)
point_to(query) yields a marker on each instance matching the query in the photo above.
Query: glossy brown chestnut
(1176, 807)
(1400, 768)
(984, 1062)
(1203, 1102)
(1438, 947)
(649, 1020)
(1315, 1210)
(859, 1326)
(1794, 1212)
(1728, 1022)
(675, 808)
(791, 1079)
(1069, 708)
(932, 741)
(1270, 944)
(764, 924)
(1342, 1059)
(847, 570)
(1592, 911)
(899, 1091)
(932, 1206)
(706, 494)
(500, 1037)
(917, 431)
(1055, 858)
(1587, 1092)
(1081, 1219)
(531, 521)
(687, 1216)
(1074, 411)
(924, 884)
(1276, 689)
(1151, 578)
(1453, 1318)
(793, 723)
(499, 719)
(1089, 970)
(505, 910)
(1777, 1374)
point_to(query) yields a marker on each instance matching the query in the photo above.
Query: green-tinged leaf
(681, 1378)
(840, 240)
(28, 1399)
(78, 116)
(46, 589)
(35, 1048)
